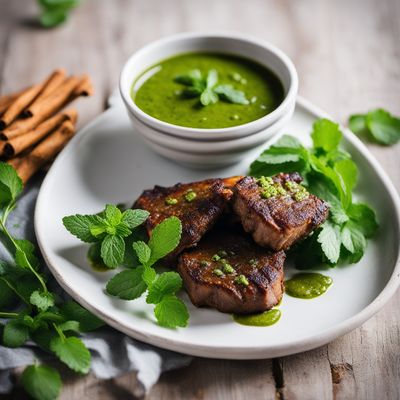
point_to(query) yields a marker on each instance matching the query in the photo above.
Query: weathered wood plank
(347, 54)
(217, 379)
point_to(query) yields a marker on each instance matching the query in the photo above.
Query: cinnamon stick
(85, 87)
(28, 165)
(18, 105)
(20, 143)
(53, 82)
(42, 110)
(6, 100)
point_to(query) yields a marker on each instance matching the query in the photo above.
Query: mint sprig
(378, 125)
(30, 310)
(207, 89)
(112, 234)
(109, 229)
(330, 173)
(161, 289)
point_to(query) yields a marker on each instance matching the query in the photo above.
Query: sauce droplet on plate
(307, 285)
(266, 318)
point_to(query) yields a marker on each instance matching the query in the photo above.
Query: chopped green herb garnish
(269, 188)
(190, 195)
(215, 257)
(253, 261)
(207, 89)
(170, 201)
(241, 280)
(204, 263)
(218, 272)
(227, 268)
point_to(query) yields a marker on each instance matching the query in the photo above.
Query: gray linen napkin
(113, 353)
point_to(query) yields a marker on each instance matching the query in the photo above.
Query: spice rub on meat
(198, 205)
(231, 273)
(277, 211)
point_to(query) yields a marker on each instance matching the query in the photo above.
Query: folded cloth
(113, 353)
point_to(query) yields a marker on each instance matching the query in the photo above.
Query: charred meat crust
(263, 270)
(197, 216)
(279, 221)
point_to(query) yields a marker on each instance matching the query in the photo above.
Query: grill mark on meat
(197, 217)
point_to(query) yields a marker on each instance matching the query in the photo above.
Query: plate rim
(230, 352)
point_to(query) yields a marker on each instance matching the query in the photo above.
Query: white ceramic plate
(107, 163)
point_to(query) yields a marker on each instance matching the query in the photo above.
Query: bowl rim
(183, 131)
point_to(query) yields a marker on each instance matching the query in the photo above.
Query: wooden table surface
(347, 54)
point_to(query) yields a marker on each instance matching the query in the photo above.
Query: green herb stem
(38, 277)
(8, 314)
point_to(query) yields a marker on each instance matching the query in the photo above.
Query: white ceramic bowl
(163, 133)
(210, 147)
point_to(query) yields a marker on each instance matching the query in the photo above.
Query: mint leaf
(74, 311)
(113, 214)
(358, 124)
(72, 326)
(348, 173)
(286, 155)
(134, 218)
(330, 240)
(142, 250)
(15, 333)
(171, 312)
(384, 127)
(189, 79)
(10, 183)
(354, 241)
(165, 284)
(149, 275)
(364, 217)
(122, 230)
(80, 225)
(72, 352)
(41, 382)
(52, 18)
(25, 254)
(208, 97)
(127, 285)
(326, 135)
(164, 238)
(212, 78)
(41, 300)
(112, 250)
(228, 93)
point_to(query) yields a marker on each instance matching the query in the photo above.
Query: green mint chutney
(160, 96)
(307, 285)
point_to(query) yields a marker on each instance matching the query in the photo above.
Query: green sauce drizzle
(266, 318)
(307, 285)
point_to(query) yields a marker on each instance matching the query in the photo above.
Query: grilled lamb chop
(231, 273)
(277, 211)
(198, 205)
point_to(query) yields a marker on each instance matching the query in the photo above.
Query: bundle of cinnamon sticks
(34, 126)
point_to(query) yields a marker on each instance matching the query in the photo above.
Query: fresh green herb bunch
(378, 125)
(28, 308)
(207, 88)
(55, 12)
(114, 238)
(329, 173)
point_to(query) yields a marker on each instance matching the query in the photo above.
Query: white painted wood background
(347, 53)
